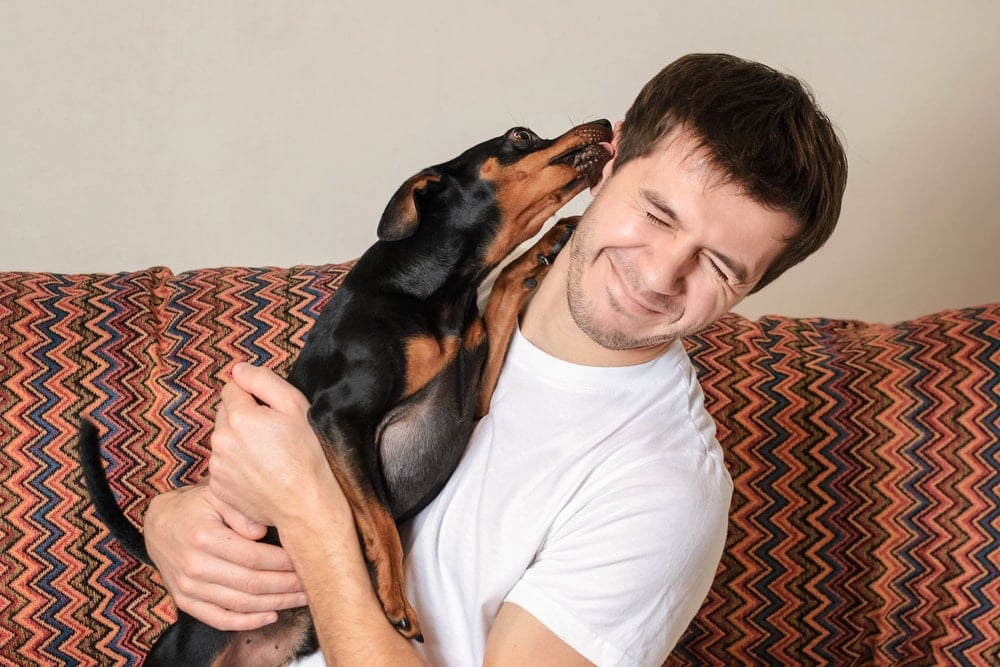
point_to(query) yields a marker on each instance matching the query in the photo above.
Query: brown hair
(761, 128)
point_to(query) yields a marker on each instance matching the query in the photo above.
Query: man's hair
(760, 128)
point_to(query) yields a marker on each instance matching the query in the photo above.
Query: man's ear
(609, 166)
(401, 218)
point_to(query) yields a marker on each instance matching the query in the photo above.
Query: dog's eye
(522, 134)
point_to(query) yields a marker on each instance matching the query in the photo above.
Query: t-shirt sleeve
(629, 562)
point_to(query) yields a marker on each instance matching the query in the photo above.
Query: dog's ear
(401, 218)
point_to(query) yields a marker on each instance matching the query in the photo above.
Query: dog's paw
(544, 252)
(554, 240)
(407, 624)
(410, 630)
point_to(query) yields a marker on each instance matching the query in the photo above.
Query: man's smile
(625, 297)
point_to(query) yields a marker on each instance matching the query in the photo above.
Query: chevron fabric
(866, 460)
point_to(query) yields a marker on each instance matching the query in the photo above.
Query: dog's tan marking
(475, 335)
(273, 644)
(490, 167)
(531, 189)
(426, 356)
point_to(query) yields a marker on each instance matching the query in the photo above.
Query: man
(588, 515)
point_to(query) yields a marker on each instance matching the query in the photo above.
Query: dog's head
(499, 193)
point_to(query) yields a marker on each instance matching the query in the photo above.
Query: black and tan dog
(400, 363)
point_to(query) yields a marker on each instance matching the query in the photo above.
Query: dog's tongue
(608, 147)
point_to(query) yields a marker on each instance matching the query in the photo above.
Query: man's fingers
(246, 552)
(214, 573)
(235, 398)
(227, 620)
(230, 597)
(270, 388)
(261, 558)
(243, 525)
(245, 592)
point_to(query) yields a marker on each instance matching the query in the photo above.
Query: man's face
(666, 247)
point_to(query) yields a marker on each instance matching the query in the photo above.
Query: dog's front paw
(410, 630)
(524, 273)
(553, 241)
(406, 622)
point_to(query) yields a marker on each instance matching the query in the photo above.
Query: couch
(866, 461)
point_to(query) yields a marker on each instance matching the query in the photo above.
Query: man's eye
(718, 272)
(657, 221)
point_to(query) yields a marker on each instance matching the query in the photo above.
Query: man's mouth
(626, 298)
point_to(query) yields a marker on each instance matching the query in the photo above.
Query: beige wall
(207, 133)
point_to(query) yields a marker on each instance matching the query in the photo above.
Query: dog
(400, 363)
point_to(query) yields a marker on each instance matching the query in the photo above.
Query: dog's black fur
(394, 363)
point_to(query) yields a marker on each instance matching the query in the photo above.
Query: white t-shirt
(594, 498)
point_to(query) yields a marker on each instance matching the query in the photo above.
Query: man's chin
(647, 345)
(620, 341)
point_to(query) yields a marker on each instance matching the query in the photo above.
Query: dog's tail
(108, 511)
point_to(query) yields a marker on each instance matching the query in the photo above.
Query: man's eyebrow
(737, 269)
(660, 203)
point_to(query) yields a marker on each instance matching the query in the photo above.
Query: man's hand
(266, 459)
(212, 565)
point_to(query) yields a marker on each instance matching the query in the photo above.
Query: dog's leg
(510, 290)
(377, 529)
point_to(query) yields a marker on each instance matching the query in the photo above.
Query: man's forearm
(350, 623)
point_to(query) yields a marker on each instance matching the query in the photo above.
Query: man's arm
(348, 616)
(210, 570)
(518, 638)
(267, 461)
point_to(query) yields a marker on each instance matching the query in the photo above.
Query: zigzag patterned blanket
(866, 461)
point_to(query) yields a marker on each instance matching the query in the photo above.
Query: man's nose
(668, 267)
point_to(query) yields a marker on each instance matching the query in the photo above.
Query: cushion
(865, 521)
(144, 355)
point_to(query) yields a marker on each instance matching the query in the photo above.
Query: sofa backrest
(865, 459)
(865, 523)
